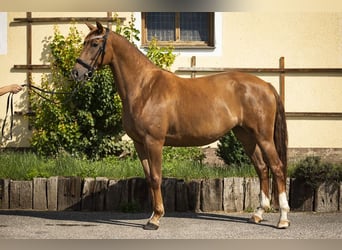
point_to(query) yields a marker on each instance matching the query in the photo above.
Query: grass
(27, 165)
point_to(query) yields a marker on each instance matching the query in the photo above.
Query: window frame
(178, 43)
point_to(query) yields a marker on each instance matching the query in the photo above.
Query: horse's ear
(90, 26)
(99, 27)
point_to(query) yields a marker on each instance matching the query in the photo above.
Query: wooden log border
(233, 194)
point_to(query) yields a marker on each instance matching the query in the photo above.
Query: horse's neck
(130, 68)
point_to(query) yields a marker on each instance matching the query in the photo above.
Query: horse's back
(233, 87)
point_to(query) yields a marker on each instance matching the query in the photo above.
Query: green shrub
(87, 122)
(231, 151)
(193, 154)
(163, 57)
(314, 172)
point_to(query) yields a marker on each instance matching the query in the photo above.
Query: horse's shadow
(88, 219)
(219, 217)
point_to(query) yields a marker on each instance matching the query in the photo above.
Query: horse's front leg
(150, 155)
(154, 150)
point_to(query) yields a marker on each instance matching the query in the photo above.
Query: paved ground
(106, 225)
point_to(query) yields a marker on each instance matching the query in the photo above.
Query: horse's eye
(94, 45)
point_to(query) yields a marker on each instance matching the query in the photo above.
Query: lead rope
(35, 90)
(9, 107)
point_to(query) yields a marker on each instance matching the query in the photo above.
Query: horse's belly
(188, 141)
(199, 130)
(198, 135)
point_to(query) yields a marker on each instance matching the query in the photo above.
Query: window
(179, 29)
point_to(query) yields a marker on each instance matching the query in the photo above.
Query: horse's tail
(280, 133)
(280, 141)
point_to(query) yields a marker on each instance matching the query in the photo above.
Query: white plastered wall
(242, 39)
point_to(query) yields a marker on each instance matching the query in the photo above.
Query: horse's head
(93, 54)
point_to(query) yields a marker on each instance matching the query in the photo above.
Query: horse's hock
(232, 194)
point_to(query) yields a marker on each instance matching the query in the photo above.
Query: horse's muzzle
(80, 75)
(75, 75)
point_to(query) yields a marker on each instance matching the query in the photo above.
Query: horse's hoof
(255, 219)
(151, 226)
(283, 224)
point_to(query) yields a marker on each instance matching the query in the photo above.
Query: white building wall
(242, 39)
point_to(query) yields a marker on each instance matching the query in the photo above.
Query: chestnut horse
(160, 108)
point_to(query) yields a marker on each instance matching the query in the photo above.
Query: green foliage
(193, 154)
(163, 57)
(128, 31)
(231, 151)
(314, 172)
(170, 154)
(64, 51)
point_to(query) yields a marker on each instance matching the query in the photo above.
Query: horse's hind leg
(253, 151)
(279, 174)
(263, 174)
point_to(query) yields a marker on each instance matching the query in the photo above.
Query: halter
(101, 52)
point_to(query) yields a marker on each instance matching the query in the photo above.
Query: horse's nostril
(89, 74)
(74, 74)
